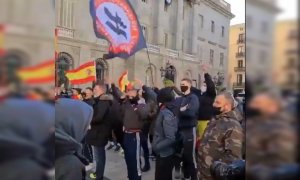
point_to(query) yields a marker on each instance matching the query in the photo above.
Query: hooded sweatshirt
(72, 120)
(25, 125)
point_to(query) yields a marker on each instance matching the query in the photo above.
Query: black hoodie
(207, 99)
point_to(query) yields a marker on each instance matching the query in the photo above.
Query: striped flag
(38, 74)
(83, 74)
(2, 51)
(123, 81)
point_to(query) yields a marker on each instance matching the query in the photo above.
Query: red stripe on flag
(83, 81)
(39, 66)
(81, 67)
(40, 80)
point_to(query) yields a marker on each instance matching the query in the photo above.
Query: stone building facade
(236, 60)
(183, 38)
(260, 23)
(286, 59)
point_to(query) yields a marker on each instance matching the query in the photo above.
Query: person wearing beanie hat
(164, 139)
(168, 83)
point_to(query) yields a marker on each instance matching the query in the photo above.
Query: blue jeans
(132, 155)
(100, 158)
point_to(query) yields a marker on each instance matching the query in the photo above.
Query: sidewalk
(115, 168)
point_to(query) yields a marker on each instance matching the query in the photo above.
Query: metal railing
(65, 32)
(172, 53)
(239, 85)
(240, 69)
(241, 41)
(189, 57)
(240, 54)
(153, 48)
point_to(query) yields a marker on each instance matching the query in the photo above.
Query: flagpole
(150, 65)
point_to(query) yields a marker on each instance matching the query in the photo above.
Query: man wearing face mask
(270, 136)
(189, 105)
(223, 137)
(134, 115)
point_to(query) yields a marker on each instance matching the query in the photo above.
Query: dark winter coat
(25, 126)
(207, 99)
(90, 101)
(188, 118)
(101, 125)
(134, 115)
(72, 120)
(166, 126)
(150, 97)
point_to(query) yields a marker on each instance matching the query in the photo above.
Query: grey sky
(238, 9)
(288, 10)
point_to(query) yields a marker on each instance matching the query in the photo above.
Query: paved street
(116, 167)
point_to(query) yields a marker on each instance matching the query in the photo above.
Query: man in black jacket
(101, 127)
(89, 96)
(206, 99)
(189, 105)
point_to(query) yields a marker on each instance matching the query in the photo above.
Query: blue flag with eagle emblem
(116, 21)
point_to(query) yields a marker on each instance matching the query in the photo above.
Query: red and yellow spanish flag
(123, 81)
(2, 51)
(83, 74)
(41, 73)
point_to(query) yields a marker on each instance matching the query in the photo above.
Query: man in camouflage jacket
(223, 137)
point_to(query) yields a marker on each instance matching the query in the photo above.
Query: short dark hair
(187, 80)
(101, 85)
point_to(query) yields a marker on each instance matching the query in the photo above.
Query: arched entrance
(64, 63)
(101, 69)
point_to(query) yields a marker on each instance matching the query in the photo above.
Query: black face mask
(134, 100)
(253, 112)
(217, 111)
(184, 88)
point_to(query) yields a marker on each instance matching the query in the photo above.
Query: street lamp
(168, 72)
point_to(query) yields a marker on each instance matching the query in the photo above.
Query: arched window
(101, 69)
(170, 73)
(63, 63)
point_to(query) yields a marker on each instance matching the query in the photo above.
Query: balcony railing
(189, 57)
(172, 53)
(65, 32)
(240, 54)
(240, 69)
(241, 41)
(153, 48)
(239, 85)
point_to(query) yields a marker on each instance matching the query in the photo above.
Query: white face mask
(203, 89)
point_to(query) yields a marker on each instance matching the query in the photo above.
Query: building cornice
(265, 5)
(218, 8)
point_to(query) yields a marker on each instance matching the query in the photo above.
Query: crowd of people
(198, 133)
(188, 129)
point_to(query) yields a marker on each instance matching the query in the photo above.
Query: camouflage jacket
(271, 141)
(222, 141)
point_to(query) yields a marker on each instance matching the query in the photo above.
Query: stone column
(179, 25)
(159, 32)
(194, 38)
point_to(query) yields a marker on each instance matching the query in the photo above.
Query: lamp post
(168, 72)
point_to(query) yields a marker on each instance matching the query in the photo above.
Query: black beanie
(165, 95)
